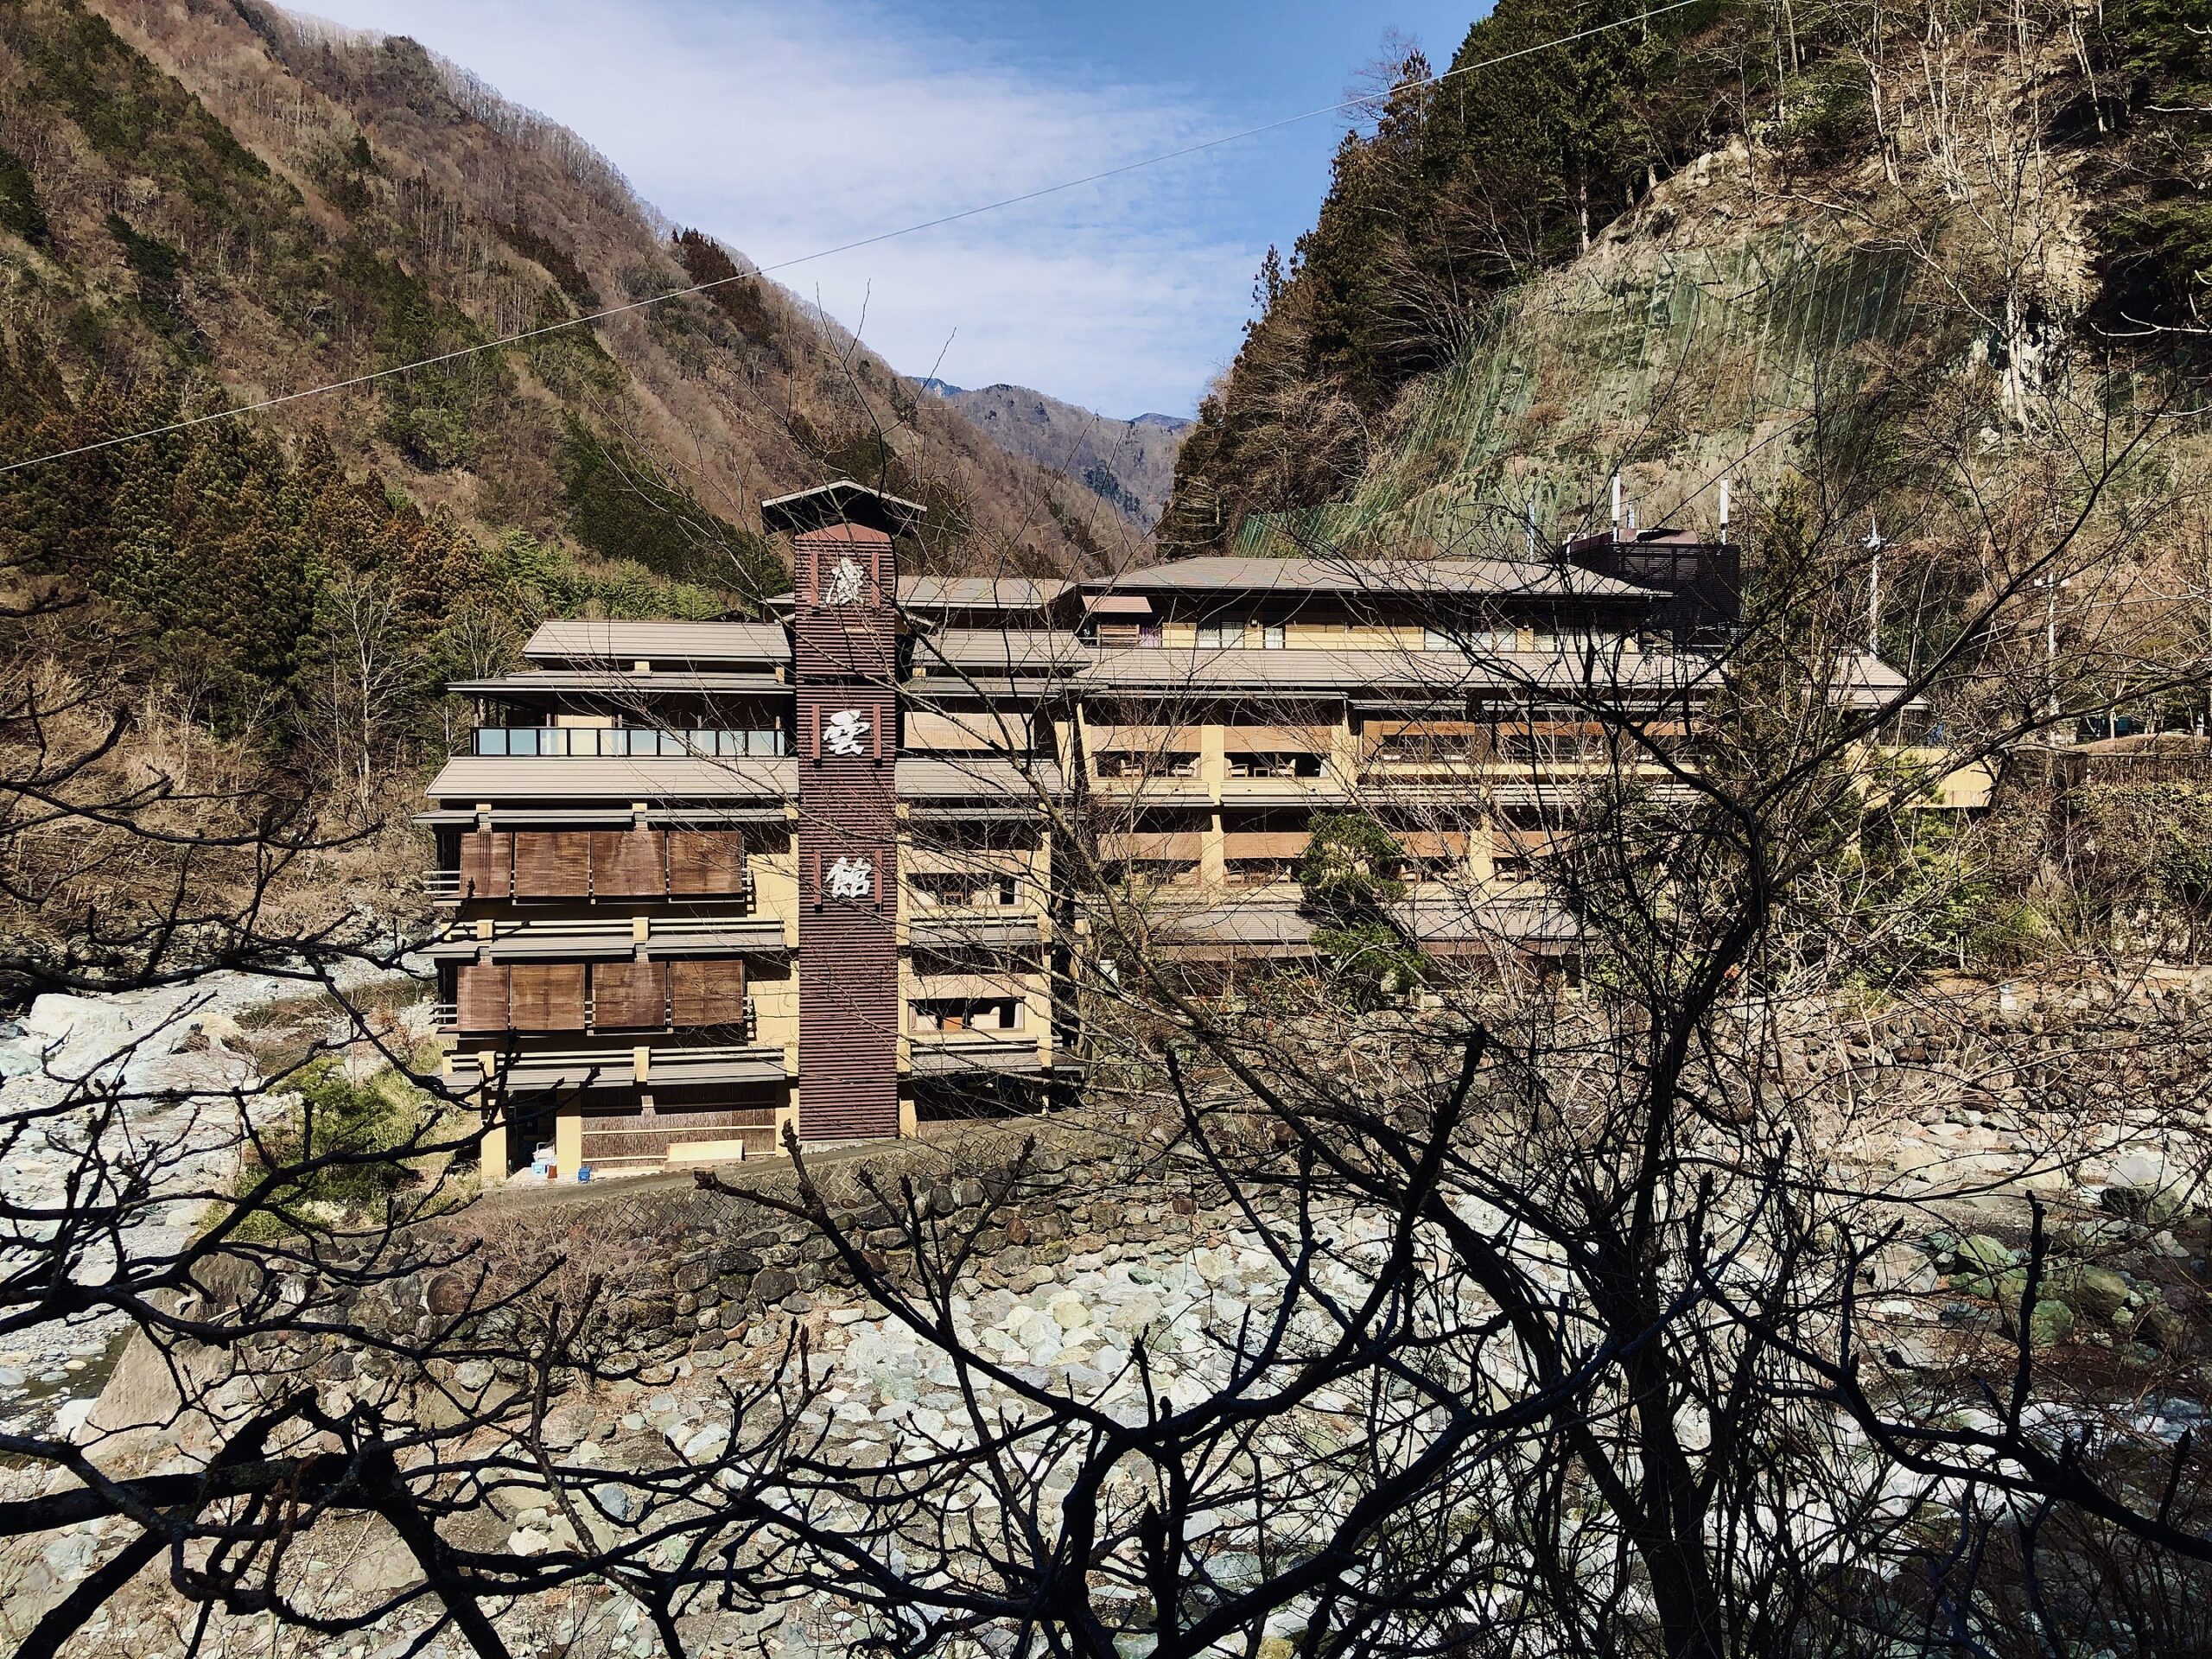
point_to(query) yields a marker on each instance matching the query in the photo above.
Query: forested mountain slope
(209, 203)
(1672, 246)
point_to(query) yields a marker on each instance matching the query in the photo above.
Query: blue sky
(787, 126)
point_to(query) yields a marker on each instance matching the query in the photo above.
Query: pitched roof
(980, 592)
(598, 638)
(619, 681)
(841, 502)
(1232, 573)
(636, 778)
(1003, 651)
(977, 778)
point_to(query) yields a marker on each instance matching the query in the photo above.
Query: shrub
(333, 1116)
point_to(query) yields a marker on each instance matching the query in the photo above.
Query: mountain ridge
(436, 215)
(1130, 465)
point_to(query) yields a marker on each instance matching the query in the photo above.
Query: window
(997, 1013)
(1285, 765)
(1220, 635)
(1272, 635)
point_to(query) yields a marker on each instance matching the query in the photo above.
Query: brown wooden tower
(844, 661)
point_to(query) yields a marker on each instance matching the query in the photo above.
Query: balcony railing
(627, 742)
(446, 1017)
(446, 888)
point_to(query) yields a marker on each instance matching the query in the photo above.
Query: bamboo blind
(629, 995)
(628, 863)
(710, 993)
(546, 996)
(705, 861)
(552, 864)
(480, 996)
(487, 859)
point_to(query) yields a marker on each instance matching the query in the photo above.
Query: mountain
(1130, 465)
(216, 200)
(1659, 247)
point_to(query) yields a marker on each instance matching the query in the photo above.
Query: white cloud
(786, 130)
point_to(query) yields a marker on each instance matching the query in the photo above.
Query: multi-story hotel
(699, 879)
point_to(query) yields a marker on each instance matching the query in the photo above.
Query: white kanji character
(851, 877)
(848, 581)
(846, 732)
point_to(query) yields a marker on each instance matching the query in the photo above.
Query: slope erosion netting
(1670, 360)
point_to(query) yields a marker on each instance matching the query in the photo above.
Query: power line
(1103, 174)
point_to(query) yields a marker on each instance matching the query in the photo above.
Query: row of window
(1274, 636)
(624, 741)
(967, 1013)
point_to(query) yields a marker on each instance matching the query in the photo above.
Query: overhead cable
(1368, 101)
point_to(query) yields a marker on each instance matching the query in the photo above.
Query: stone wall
(692, 1271)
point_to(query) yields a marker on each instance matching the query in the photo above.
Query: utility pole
(1874, 545)
(2050, 585)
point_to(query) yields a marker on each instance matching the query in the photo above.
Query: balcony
(444, 887)
(568, 1069)
(585, 938)
(496, 999)
(596, 864)
(626, 742)
(954, 1053)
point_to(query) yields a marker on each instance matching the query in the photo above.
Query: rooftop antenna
(1724, 512)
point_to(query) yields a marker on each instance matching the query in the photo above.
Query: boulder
(1985, 1253)
(2049, 1324)
(2093, 1292)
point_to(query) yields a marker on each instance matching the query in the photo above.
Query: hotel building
(697, 879)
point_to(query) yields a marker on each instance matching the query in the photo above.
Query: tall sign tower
(844, 659)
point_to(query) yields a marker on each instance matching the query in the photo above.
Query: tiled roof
(1003, 651)
(977, 778)
(980, 592)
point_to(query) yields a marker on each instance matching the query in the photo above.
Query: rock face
(1130, 465)
(174, 1055)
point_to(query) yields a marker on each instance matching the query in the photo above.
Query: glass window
(1272, 636)
(1220, 636)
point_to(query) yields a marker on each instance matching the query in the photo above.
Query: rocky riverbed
(177, 1063)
